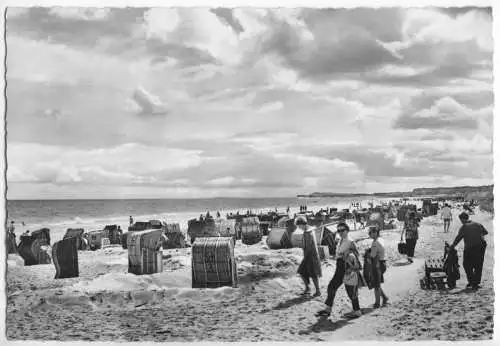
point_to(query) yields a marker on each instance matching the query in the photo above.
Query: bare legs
(315, 281)
(380, 293)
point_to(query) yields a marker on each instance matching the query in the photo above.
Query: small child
(377, 253)
(352, 282)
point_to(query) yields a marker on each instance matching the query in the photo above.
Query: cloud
(125, 164)
(445, 113)
(13, 12)
(196, 28)
(81, 13)
(327, 50)
(271, 107)
(148, 104)
(259, 101)
(93, 25)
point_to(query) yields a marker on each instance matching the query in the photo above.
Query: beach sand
(107, 304)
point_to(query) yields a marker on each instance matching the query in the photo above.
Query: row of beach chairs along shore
(212, 241)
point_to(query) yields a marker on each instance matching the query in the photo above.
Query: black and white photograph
(248, 174)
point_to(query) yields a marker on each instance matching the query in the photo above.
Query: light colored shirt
(446, 213)
(378, 249)
(344, 247)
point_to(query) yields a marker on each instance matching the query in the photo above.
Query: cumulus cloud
(148, 104)
(259, 101)
(271, 107)
(194, 27)
(81, 13)
(444, 113)
(129, 163)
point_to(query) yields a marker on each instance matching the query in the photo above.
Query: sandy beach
(108, 304)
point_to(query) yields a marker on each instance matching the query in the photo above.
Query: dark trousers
(410, 247)
(473, 263)
(352, 292)
(335, 282)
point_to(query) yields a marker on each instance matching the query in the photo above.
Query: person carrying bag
(402, 248)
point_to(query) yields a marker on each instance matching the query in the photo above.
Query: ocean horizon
(94, 214)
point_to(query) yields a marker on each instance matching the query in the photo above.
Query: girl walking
(411, 234)
(378, 266)
(352, 281)
(310, 267)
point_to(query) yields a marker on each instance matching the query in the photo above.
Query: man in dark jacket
(474, 248)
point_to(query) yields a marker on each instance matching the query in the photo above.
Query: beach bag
(361, 280)
(367, 270)
(402, 248)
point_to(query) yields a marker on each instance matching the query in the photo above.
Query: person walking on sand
(352, 281)
(310, 267)
(377, 255)
(446, 217)
(344, 247)
(474, 248)
(411, 234)
(130, 220)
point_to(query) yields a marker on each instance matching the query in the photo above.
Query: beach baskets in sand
(213, 263)
(273, 240)
(65, 257)
(251, 233)
(114, 234)
(96, 238)
(43, 235)
(78, 234)
(211, 228)
(282, 238)
(144, 252)
(175, 237)
(31, 251)
(105, 243)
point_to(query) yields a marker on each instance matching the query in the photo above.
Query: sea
(94, 214)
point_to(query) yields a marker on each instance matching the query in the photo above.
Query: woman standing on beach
(378, 266)
(310, 267)
(411, 234)
(344, 247)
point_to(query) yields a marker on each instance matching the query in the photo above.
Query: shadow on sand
(254, 277)
(324, 323)
(291, 302)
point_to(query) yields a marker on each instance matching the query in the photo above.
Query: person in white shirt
(344, 247)
(377, 253)
(446, 216)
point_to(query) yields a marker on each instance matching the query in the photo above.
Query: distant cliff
(468, 192)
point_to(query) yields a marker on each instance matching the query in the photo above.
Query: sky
(199, 102)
